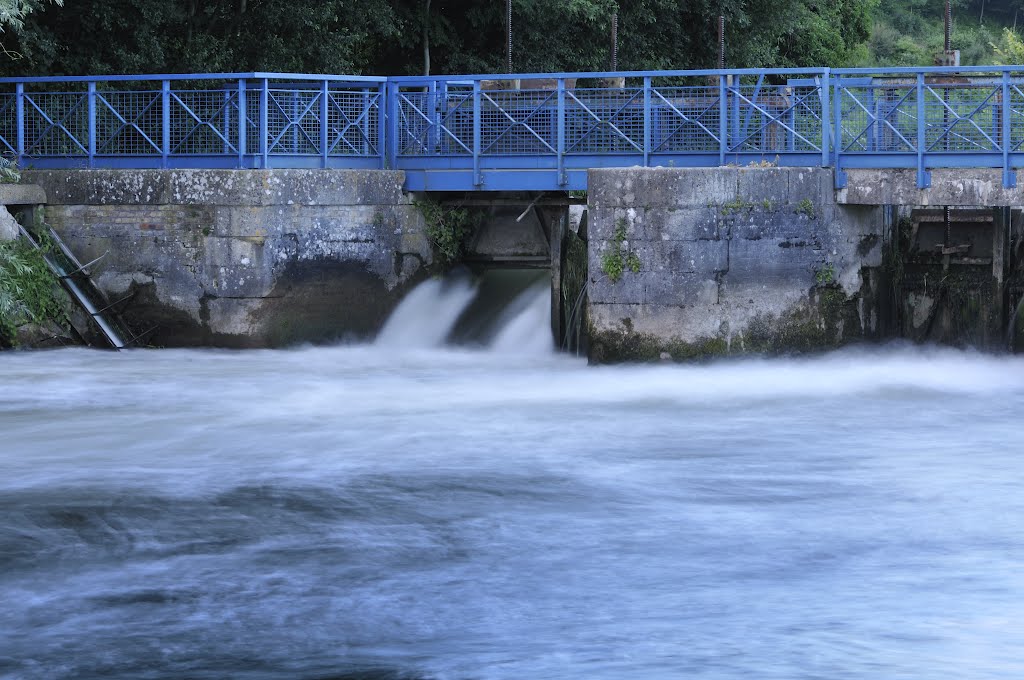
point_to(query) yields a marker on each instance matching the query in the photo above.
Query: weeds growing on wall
(447, 228)
(618, 258)
(29, 292)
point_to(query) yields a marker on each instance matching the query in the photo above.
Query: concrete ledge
(22, 194)
(220, 187)
(950, 186)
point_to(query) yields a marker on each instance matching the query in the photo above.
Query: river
(387, 512)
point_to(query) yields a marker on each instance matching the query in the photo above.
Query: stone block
(101, 187)
(756, 185)
(22, 194)
(781, 221)
(656, 288)
(772, 263)
(681, 224)
(661, 187)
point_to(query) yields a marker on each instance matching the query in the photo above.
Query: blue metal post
(873, 126)
(560, 133)
(478, 179)
(791, 133)
(165, 116)
(723, 120)
(92, 122)
(383, 115)
(1009, 176)
(432, 111)
(19, 112)
(443, 95)
(364, 143)
(826, 117)
(324, 94)
(736, 89)
(264, 125)
(839, 177)
(648, 117)
(924, 178)
(226, 129)
(243, 122)
(294, 120)
(393, 105)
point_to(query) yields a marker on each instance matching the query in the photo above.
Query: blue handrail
(523, 131)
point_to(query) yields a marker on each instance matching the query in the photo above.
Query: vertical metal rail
(432, 140)
(391, 137)
(560, 132)
(723, 120)
(165, 120)
(243, 122)
(19, 114)
(837, 135)
(1009, 176)
(826, 116)
(923, 176)
(384, 102)
(648, 121)
(91, 94)
(264, 124)
(324, 94)
(478, 179)
(226, 123)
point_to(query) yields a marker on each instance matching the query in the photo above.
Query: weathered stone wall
(727, 260)
(243, 258)
(949, 186)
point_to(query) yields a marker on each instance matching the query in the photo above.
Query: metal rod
(615, 41)
(721, 41)
(949, 22)
(508, 36)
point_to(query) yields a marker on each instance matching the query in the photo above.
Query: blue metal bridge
(523, 132)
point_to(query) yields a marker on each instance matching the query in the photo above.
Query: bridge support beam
(949, 186)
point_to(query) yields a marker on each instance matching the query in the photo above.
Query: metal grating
(56, 124)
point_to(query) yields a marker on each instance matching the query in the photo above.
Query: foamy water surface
(392, 512)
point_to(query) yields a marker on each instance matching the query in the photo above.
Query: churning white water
(373, 512)
(431, 313)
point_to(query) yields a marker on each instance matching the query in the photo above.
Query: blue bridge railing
(534, 131)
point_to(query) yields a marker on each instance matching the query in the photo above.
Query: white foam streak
(426, 316)
(525, 326)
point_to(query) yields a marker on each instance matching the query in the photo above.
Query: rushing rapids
(402, 510)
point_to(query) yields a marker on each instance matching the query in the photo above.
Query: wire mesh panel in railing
(204, 122)
(56, 124)
(685, 119)
(129, 123)
(1015, 112)
(435, 123)
(774, 119)
(353, 123)
(961, 115)
(8, 124)
(518, 122)
(880, 116)
(604, 120)
(293, 122)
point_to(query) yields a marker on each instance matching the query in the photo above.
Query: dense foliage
(29, 292)
(468, 36)
(387, 36)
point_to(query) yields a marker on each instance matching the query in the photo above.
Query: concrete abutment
(678, 262)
